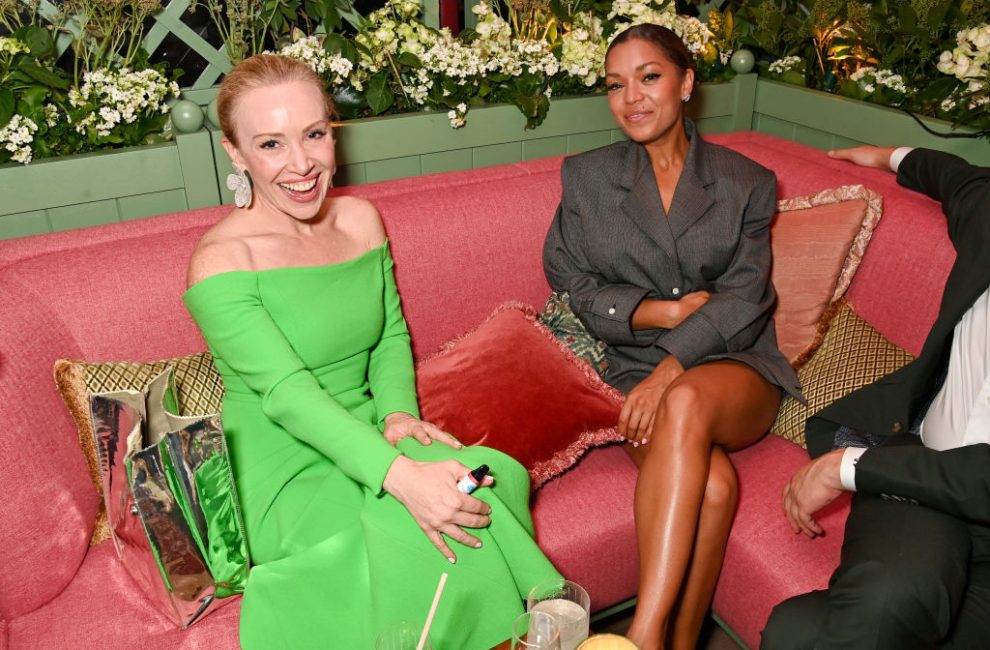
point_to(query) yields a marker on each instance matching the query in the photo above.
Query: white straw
(433, 610)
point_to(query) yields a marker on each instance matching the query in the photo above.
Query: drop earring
(240, 183)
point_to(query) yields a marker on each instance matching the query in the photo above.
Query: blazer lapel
(642, 203)
(691, 198)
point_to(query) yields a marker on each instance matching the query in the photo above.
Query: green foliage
(838, 37)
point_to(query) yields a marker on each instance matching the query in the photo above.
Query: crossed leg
(686, 494)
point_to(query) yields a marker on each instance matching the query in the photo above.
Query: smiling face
(285, 144)
(645, 89)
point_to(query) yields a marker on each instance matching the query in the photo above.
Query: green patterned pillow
(569, 330)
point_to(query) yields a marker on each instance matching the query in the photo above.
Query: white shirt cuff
(898, 156)
(847, 469)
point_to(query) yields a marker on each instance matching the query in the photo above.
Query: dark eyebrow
(638, 68)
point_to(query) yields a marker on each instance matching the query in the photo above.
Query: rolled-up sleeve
(605, 308)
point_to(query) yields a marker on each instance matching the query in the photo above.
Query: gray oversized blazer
(610, 246)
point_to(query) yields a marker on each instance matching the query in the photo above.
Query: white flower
(780, 66)
(12, 46)
(309, 50)
(969, 60)
(456, 119)
(869, 78)
(17, 136)
(583, 49)
(118, 97)
(51, 114)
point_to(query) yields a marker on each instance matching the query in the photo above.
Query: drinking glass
(400, 636)
(535, 631)
(567, 602)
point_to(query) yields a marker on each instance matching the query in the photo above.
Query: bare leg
(718, 507)
(724, 403)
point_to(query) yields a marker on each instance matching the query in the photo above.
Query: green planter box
(90, 189)
(828, 121)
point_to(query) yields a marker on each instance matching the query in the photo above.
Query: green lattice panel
(168, 22)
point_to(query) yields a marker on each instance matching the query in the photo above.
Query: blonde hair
(257, 72)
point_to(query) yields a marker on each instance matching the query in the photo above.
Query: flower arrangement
(523, 52)
(926, 56)
(969, 64)
(107, 96)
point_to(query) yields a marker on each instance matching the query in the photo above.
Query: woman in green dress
(349, 500)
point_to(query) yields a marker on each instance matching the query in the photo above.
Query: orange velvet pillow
(510, 385)
(818, 242)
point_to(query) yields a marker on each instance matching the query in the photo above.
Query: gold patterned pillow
(850, 354)
(199, 387)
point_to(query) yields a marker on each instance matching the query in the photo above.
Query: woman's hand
(640, 408)
(429, 492)
(400, 425)
(690, 303)
(667, 314)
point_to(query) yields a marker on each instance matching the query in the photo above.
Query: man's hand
(812, 487)
(865, 156)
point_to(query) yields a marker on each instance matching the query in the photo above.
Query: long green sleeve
(391, 372)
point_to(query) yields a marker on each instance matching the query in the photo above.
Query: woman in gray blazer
(663, 244)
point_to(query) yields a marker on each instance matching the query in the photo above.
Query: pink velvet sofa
(464, 242)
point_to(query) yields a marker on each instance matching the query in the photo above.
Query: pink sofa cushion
(766, 562)
(584, 523)
(902, 311)
(103, 608)
(49, 504)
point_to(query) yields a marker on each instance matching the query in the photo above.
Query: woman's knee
(722, 488)
(682, 412)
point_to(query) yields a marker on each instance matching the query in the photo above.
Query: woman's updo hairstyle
(669, 43)
(257, 72)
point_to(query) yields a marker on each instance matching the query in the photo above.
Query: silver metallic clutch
(170, 498)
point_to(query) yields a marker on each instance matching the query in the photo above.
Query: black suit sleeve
(963, 189)
(955, 481)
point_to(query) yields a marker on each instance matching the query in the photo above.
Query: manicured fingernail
(478, 545)
(453, 560)
(635, 444)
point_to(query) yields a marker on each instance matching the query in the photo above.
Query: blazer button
(897, 428)
(611, 310)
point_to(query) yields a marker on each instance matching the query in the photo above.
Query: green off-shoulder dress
(313, 359)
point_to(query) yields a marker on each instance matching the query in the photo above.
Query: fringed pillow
(509, 385)
(849, 354)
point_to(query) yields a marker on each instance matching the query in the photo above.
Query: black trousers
(910, 577)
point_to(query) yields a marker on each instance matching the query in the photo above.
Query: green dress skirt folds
(313, 358)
